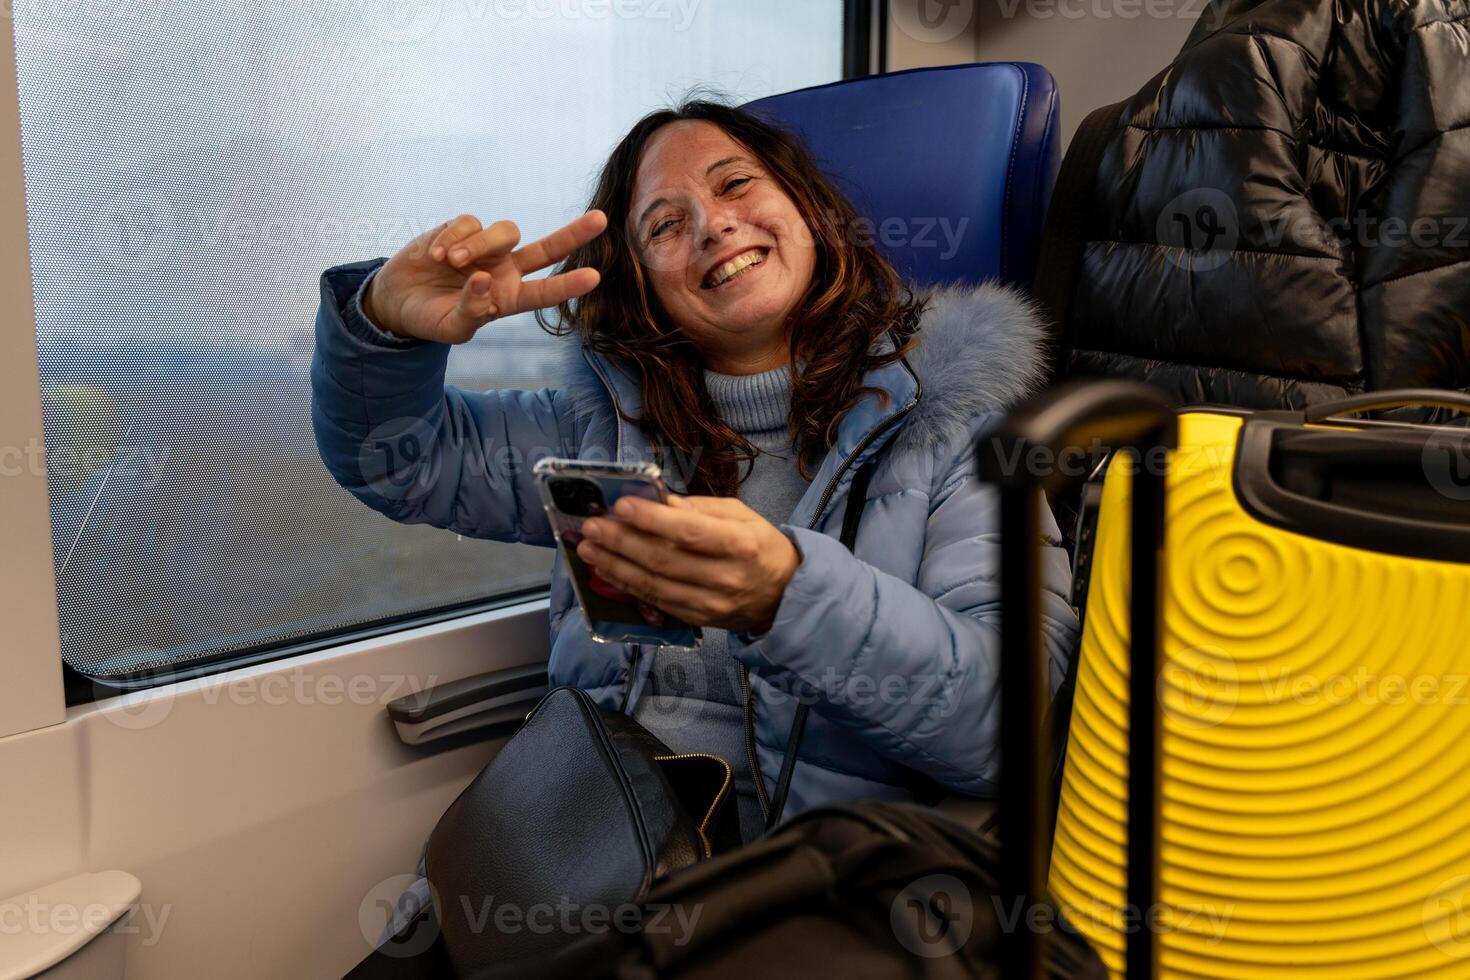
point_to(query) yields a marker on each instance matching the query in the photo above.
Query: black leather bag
(864, 890)
(578, 815)
(582, 810)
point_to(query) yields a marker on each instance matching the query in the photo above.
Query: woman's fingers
(476, 306)
(478, 303)
(488, 243)
(460, 275)
(464, 240)
(651, 551)
(540, 293)
(687, 526)
(680, 598)
(560, 243)
(452, 232)
(730, 507)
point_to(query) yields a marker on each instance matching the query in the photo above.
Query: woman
(731, 327)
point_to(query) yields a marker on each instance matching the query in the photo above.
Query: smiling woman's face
(722, 244)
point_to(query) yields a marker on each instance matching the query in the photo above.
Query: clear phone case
(573, 490)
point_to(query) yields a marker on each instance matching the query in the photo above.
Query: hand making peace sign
(453, 279)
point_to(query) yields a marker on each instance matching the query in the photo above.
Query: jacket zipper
(826, 498)
(612, 396)
(755, 765)
(827, 492)
(857, 451)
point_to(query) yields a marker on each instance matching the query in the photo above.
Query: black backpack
(882, 890)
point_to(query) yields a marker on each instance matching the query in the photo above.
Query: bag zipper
(719, 797)
(589, 710)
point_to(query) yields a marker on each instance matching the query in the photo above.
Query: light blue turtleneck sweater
(757, 406)
(692, 699)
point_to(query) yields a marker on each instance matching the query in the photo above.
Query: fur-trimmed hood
(979, 349)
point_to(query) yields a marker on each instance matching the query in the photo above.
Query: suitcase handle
(1134, 418)
(1374, 401)
(1395, 489)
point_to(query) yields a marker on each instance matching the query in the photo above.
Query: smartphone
(574, 490)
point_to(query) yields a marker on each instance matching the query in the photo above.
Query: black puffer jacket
(1282, 215)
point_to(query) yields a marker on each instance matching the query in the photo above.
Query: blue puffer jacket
(899, 639)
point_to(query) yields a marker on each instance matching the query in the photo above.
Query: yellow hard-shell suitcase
(1313, 678)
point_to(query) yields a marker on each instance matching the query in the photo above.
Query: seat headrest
(952, 166)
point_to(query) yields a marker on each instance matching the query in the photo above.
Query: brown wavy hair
(855, 297)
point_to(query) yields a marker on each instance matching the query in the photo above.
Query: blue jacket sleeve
(915, 668)
(415, 449)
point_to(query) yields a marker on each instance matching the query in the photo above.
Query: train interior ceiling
(236, 703)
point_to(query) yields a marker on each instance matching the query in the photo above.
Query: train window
(191, 169)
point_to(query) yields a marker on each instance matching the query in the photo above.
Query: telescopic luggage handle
(1020, 457)
(1377, 401)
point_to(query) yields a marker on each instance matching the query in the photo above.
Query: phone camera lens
(577, 497)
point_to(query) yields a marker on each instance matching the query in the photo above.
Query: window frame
(39, 685)
(31, 695)
(865, 25)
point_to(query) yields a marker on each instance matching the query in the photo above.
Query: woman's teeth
(733, 268)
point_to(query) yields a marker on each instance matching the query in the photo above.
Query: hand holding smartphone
(574, 490)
